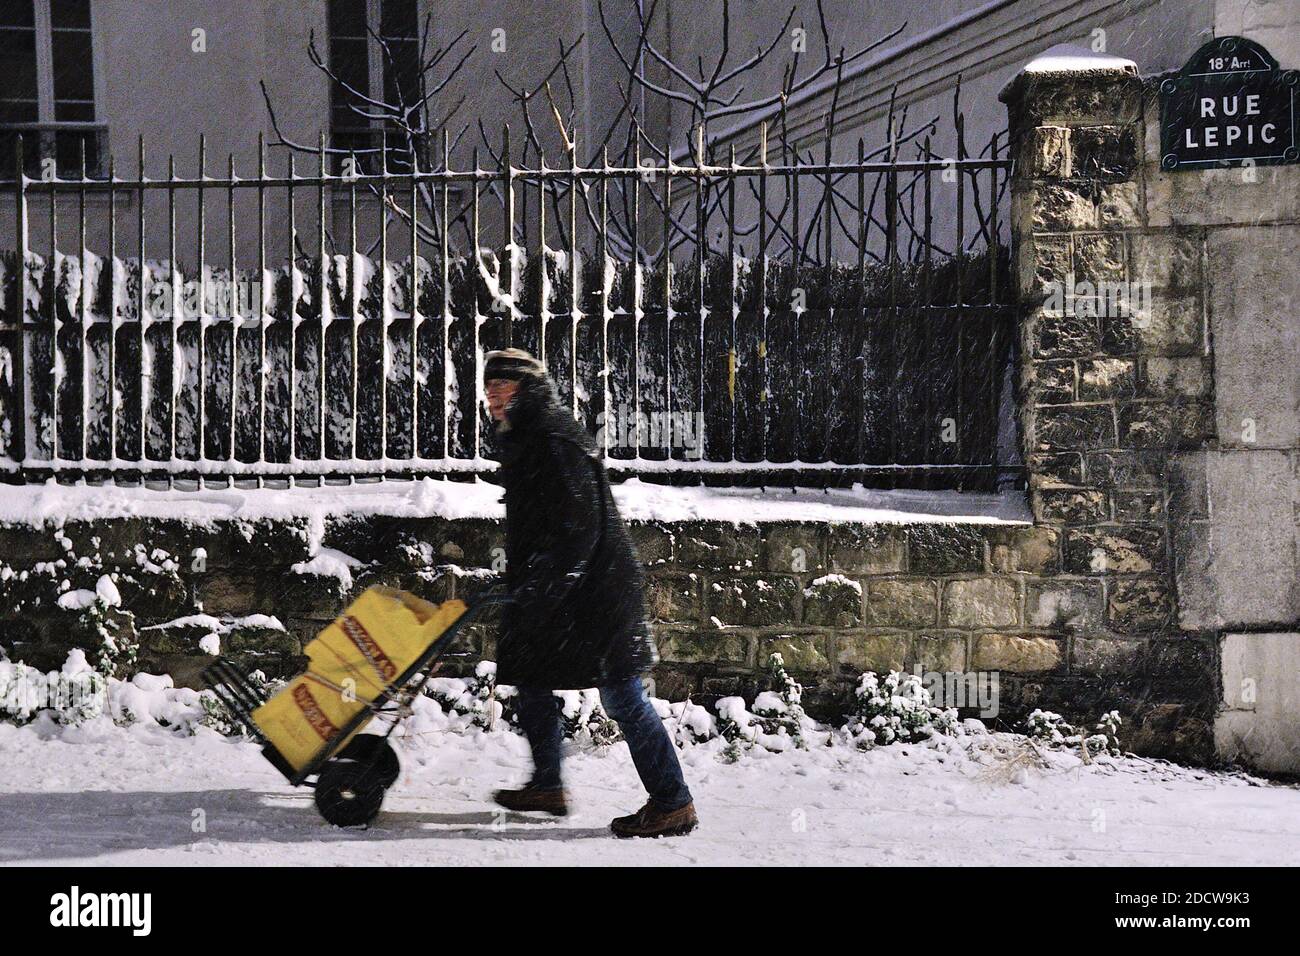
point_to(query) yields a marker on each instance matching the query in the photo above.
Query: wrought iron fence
(728, 321)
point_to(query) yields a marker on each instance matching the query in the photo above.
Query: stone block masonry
(834, 599)
(1160, 400)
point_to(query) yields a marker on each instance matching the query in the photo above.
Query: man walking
(578, 619)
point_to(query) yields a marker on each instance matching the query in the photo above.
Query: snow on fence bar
(344, 360)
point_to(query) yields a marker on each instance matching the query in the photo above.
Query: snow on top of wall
(1068, 58)
(646, 501)
(51, 503)
(54, 503)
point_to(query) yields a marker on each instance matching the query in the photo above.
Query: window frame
(375, 79)
(46, 127)
(45, 109)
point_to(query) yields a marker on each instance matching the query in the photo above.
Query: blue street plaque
(1230, 105)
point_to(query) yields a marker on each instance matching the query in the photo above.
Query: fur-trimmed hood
(536, 410)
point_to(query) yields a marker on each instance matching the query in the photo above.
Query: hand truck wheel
(370, 750)
(349, 793)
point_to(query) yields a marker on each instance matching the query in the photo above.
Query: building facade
(111, 74)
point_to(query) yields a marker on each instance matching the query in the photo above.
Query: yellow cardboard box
(358, 656)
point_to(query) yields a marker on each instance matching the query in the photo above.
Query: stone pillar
(1115, 380)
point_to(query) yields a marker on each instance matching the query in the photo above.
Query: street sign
(1230, 105)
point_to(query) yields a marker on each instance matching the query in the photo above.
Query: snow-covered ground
(102, 794)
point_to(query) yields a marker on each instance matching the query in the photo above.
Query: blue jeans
(626, 702)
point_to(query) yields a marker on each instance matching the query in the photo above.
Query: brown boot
(532, 798)
(650, 821)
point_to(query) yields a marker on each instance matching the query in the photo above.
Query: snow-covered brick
(836, 579)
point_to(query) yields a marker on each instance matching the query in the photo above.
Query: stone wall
(834, 599)
(1163, 440)
(1159, 574)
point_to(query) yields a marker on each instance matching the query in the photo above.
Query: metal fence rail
(737, 322)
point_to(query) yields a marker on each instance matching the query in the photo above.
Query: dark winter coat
(580, 617)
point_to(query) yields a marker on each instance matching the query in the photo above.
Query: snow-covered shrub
(691, 723)
(153, 699)
(776, 721)
(744, 729)
(216, 716)
(781, 711)
(1047, 726)
(103, 624)
(1108, 727)
(897, 708)
(485, 703)
(456, 695)
(74, 694)
(584, 719)
(736, 726)
(119, 650)
(489, 706)
(479, 698)
(735, 722)
(23, 692)
(80, 693)
(1053, 729)
(100, 624)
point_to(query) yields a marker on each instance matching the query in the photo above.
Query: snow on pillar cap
(1067, 61)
